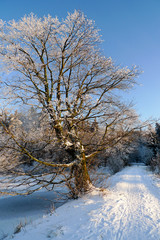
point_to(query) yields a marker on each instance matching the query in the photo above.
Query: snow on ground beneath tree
(17, 210)
(21, 210)
(128, 210)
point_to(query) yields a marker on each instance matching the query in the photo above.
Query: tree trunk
(76, 151)
(82, 180)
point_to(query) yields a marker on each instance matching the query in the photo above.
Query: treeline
(33, 131)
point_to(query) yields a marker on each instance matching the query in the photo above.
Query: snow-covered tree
(58, 66)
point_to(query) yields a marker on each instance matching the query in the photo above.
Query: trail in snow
(132, 211)
(129, 211)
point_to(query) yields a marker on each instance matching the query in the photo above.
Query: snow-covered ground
(128, 210)
(23, 210)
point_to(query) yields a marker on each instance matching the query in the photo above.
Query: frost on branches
(58, 67)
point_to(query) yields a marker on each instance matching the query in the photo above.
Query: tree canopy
(59, 67)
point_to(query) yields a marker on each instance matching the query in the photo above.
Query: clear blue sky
(130, 30)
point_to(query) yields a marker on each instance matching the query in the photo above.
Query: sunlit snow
(128, 210)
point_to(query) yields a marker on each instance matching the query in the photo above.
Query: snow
(25, 209)
(128, 210)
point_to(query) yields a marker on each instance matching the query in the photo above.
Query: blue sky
(131, 34)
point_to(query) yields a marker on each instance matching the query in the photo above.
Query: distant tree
(59, 67)
(154, 138)
(157, 130)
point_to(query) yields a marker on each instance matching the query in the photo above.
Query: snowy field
(128, 210)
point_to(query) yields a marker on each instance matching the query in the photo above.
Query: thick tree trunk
(75, 149)
(82, 180)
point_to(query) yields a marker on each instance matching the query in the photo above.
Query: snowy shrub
(115, 163)
(155, 164)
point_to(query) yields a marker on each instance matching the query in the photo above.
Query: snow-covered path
(135, 209)
(130, 210)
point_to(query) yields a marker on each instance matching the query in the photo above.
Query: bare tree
(59, 67)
